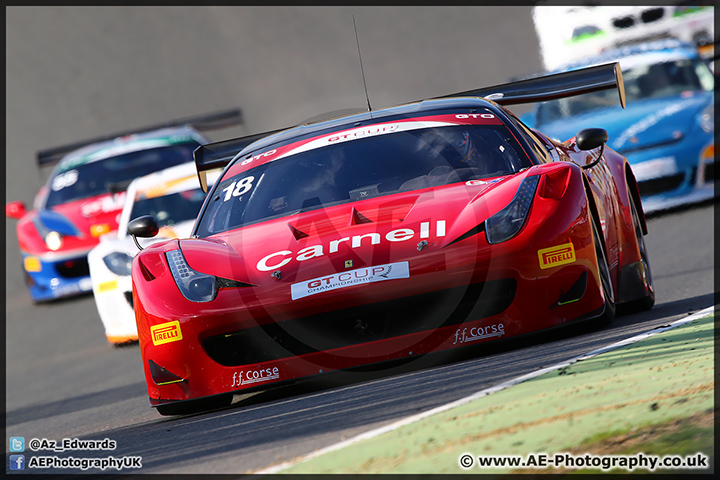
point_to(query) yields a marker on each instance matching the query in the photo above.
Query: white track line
(482, 393)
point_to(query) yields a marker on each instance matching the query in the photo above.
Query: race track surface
(79, 72)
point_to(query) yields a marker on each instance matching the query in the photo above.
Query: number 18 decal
(238, 188)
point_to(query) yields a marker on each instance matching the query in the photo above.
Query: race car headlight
(506, 223)
(195, 286)
(707, 119)
(53, 240)
(119, 263)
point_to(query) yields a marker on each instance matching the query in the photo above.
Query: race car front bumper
(675, 175)
(113, 298)
(54, 276)
(466, 294)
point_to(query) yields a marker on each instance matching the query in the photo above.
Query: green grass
(683, 437)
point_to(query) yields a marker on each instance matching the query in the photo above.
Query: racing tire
(604, 273)
(643, 303)
(196, 406)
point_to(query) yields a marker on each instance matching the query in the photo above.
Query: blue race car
(666, 131)
(84, 195)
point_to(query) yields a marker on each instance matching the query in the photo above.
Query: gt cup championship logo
(377, 273)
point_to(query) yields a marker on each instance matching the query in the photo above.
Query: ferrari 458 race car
(174, 197)
(84, 195)
(385, 235)
(667, 131)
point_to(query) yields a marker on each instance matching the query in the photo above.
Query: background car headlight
(53, 240)
(195, 286)
(707, 119)
(506, 223)
(119, 263)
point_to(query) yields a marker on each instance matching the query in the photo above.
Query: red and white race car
(385, 235)
(84, 195)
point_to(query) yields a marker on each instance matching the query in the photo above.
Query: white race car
(174, 197)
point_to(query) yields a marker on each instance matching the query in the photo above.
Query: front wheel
(604, 273)
(647, 301)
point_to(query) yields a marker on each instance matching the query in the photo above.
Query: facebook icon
(17, 462)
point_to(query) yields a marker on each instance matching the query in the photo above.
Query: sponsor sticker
(655, 168)
(270, 262)
(477, 333)
(100, 229)
(109, 203)
(166, 333)
(105, 286)
(255, 376)
(377, 273)
(366, 132)
(558, 255)
(475, 183)
(32, 264)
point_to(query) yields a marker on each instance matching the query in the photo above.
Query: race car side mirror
(145, 227)
(15, 210)
(590, 139)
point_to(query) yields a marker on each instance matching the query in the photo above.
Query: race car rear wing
(554, 86)
(219, 154)
(209, 121)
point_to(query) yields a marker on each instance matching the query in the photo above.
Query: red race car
(84, 195)
(385, 235)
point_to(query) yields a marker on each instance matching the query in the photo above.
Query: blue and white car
(666, 131)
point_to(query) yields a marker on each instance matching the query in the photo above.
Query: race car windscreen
(170, 209)
(642, 82)
(360, 169)
(95, 178)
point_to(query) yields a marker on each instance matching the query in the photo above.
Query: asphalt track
(663, 374)
(80, 72)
